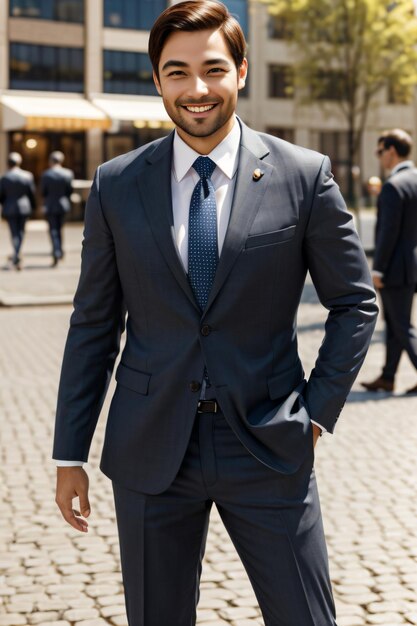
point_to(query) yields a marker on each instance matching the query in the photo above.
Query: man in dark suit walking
(204, 238)
(17, 195)
(56, 188)
(395, 259)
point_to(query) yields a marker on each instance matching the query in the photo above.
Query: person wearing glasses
(395, 259)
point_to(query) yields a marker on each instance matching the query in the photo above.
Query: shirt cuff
(323, 430)
(68, 463)
(376, 273)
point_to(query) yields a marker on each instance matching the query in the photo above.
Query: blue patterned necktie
(202, 233)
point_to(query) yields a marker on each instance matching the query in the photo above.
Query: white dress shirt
(183, 180)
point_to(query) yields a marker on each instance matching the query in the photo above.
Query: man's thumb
(85, 507)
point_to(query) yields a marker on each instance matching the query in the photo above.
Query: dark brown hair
(194, 15)
(398, 138)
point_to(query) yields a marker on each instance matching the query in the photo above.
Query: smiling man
(204, 238)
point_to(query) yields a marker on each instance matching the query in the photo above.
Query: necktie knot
(204, 167)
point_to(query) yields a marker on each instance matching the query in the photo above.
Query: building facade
(75, 76)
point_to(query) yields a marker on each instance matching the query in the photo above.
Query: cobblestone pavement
(51, 575)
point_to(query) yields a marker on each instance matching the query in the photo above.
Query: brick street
(51, 575)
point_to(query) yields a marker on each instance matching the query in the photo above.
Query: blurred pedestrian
(17, 196)
(395, 259)
(56, 188)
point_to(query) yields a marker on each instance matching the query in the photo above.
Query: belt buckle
(207, 406)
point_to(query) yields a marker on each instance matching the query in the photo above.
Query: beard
(200, 127)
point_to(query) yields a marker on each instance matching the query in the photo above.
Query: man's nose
(198, 87)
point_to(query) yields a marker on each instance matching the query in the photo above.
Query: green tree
(349, 50)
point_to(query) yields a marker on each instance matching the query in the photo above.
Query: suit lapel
(154, 183)
(246, 200)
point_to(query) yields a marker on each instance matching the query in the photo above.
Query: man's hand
(72, 482)
(378, 284)
(316, 434)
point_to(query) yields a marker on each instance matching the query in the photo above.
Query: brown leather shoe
(379, 384)
(412, 390)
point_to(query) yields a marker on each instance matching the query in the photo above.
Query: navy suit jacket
(396, 229)
(56, 188)
(290, 221)
(17, 193)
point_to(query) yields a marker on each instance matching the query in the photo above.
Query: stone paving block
(44, 616)
(350, 620)
(386, 607)
(206, 615)
(7, 591)
(237, 613)
(385, 619)
(19, 607)
(110, 611)
(12, 619)
(51, 605)
(76, 615)
(96, 590)
(92, 622)
(212, 603)
(30, 597)
(57, 623)
(106, 600)
(119, 620)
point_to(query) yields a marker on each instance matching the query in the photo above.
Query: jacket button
(205, 330)
(195, 386)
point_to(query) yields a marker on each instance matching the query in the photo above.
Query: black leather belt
(207, 406)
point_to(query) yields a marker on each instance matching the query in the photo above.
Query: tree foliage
(365, 45)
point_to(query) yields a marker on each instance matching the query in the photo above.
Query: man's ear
(156, 81)
(242, 73)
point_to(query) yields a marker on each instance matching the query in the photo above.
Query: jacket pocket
(282, 384)
(133, 379)
(267, 239)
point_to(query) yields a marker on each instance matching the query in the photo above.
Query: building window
(59, 10)
(239, 10)
(278, 27)
(46, 68)
(281, 81)
(129, 14)
(120, 143)
(335, 145)
(283, 133)
(330, 86)
(398, 95)
(128, 72)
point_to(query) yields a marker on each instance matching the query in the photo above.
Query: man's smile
(199, 108)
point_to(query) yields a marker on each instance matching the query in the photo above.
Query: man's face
(386, 156)
(199, 83)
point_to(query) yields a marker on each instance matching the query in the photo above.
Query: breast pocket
(271, 238)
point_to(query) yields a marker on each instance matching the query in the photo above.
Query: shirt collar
(401, 165)
(224, 154)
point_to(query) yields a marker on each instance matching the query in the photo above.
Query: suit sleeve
(390, 215)
(93, 340)
(32, 193)
(341, 276)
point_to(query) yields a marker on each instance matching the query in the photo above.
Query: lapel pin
(257, 174)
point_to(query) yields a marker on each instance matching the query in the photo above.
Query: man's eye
(176, 73)
(216, 70)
